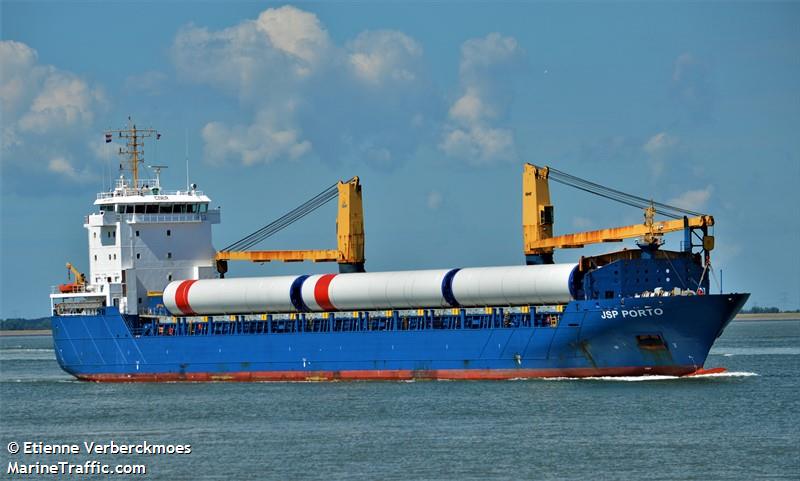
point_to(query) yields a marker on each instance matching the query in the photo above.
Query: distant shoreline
(24, 332)
(772, 316)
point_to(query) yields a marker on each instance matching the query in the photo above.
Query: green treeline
(20, 324)
(761, 310)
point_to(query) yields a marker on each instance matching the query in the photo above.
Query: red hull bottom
(397, 375)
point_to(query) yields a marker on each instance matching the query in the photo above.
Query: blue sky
(435, 107)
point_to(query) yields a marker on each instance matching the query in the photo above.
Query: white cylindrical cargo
(471, 287)
(387, 290)
(230, 296)
(513, 286)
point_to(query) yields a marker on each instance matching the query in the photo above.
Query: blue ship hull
(632, 336)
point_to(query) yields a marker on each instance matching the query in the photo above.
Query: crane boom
(616, 234)
(538, 219)
(349, 235)
(80, 279)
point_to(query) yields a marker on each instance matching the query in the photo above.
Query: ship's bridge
(149, 203)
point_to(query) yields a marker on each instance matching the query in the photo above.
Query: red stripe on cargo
(182, 297)
(321, 292)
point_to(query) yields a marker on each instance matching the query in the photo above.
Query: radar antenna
(157, 169)
(133, 150)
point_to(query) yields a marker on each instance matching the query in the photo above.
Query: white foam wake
(756, 351)
(655, 377)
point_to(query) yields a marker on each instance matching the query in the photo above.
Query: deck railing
(427, 319)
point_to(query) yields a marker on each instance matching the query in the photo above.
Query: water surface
(739, 425)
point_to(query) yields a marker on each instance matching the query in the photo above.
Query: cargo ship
(156, 304)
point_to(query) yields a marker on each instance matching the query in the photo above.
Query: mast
(134, 138)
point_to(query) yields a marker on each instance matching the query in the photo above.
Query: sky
(436, 107)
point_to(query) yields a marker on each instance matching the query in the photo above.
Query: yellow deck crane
(349, 233)
(78, 285)
(538, 219)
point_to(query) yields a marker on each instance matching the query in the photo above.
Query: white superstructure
(141, 238)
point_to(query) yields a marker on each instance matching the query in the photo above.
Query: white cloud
(41, 98)
(658, 147)
(693, 199)
(60, 165)
(470, 108)
(692, 86)
(256, 57)
(149, 83)
(64, 100)
(385, 55)
(479, 144)
(479, 56)
(261, 142)
(434, 200)
(104, 151)
(471, 134)
(659, 143)
(307, 95)
(19, 70)
(294, 32)
(43, 110)
(683, 66)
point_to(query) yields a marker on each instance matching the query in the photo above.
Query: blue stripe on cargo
(296, 294)
(447, 288)
(573, 291)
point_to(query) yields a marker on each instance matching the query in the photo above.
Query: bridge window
(151, 209)
(165, 209)
(203, 208)
(138, 209)
(180, 208)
